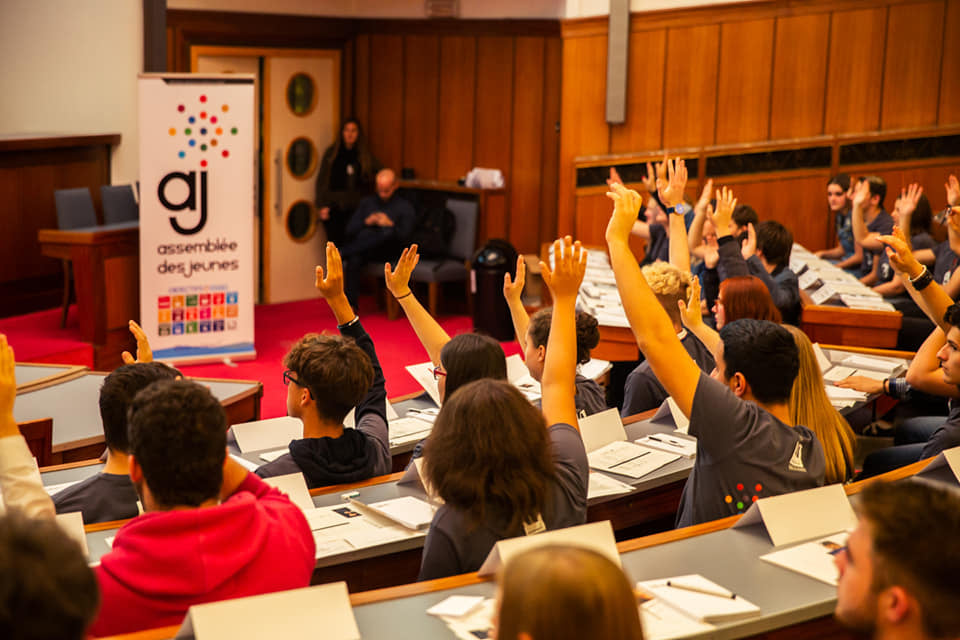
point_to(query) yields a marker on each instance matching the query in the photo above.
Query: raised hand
(8, 387)
(626, 205)
(614, 177)
(398, 279)
(513, 288)
(330, 284)
(909, 197)
(722, 216)
(690, 312)
(650, 180)
(901, 258)
(861, 194)
(144, 353)
(749, 247)
(952, 186)
(704, 200)
(671, 181)
(569, 266)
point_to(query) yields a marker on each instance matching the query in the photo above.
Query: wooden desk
(835, 324)
(106, 275)
(31, 377)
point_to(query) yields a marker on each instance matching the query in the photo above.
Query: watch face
(680, 209)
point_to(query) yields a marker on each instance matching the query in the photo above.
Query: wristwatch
(681, 209)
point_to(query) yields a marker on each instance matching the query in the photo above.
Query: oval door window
(301, 94)
(301, 158)
(301, 222)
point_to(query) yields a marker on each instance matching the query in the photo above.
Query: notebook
(700, 598)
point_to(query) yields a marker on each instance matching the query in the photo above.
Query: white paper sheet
(295, 486)
(272, 433)
(705, 607)
(600, 485)
(814, 559)
(423, 374)
(629, 459)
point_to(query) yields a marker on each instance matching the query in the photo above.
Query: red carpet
(37, 337)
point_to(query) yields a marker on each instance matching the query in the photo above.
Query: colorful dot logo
(211, 137)
(741, 500)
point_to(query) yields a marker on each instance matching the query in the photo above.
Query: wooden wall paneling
(361, 82)
(690, 90)
(743, 81)
(421, 76)
(949, 112)
(799, 76)
(527, 142)
(347, 78)
(593, 211)
(643, 128)
(458, 76)
(583, 129)
(386, 99)
(550, 155)
(855, 70)
(797, 201)
(493, 119)
(911, 75)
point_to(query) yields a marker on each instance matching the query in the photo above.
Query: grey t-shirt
(947, 435)
(102, 498)
(452, 547)
(642, 391)
(882, 224)
(743, 453)
(589, 398)
(919, 241)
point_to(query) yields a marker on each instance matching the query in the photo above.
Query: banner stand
(197, 207)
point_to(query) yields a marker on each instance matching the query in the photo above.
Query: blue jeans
(910, 438)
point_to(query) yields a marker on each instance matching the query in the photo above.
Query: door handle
(278, 193)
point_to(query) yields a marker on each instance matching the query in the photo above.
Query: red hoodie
(163, 562)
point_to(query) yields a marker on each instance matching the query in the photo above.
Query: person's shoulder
(281, 466)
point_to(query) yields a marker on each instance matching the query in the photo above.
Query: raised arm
(693, 320)
(513, 291)
(695, 234)
(560, 364)
(929, 295)
(671, 181)
(20, 484)
(925, 373)
(428, 330)
(651, 325)
(330, 286)
(731, 262)
(867, 240)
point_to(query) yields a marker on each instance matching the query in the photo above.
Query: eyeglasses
(288, 378)
(437, 372)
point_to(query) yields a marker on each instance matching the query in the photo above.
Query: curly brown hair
(489, 455)
(588, 332)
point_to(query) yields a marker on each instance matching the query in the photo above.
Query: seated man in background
(212, 530)
(109, 495)
(898, 572)
(378, 231)
(642, 391)
(747, 447)
(326, 377)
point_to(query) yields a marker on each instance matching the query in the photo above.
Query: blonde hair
(670, 285)
(810, 407)
(566, 593)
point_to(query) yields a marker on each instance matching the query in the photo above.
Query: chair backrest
(39, 437)
(464, 241)
(74, 208)
(119, 204)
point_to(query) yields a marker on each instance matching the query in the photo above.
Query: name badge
(537, 526)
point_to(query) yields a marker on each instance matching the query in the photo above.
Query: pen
(685, 587)
(669, 442)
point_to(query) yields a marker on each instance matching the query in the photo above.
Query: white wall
(586, 8)
(70, 66)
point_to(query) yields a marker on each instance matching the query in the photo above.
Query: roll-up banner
(197, 173)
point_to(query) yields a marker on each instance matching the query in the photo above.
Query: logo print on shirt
(744, 498)
(796, 461)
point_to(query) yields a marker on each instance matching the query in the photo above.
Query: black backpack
(434, 230)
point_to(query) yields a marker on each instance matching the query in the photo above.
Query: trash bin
(490, 312)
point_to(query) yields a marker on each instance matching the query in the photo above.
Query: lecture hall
(555, 319)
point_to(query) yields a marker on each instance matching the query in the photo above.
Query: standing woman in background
(347, 173)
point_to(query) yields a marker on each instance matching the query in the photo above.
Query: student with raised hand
(457, 361)
(533, 333)
(898, 572)
(20, 484)
(500, 469)
(765, 255)
(565, 593)
(212, 530)
(746, 444)
(870, 221)
(326, 377)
